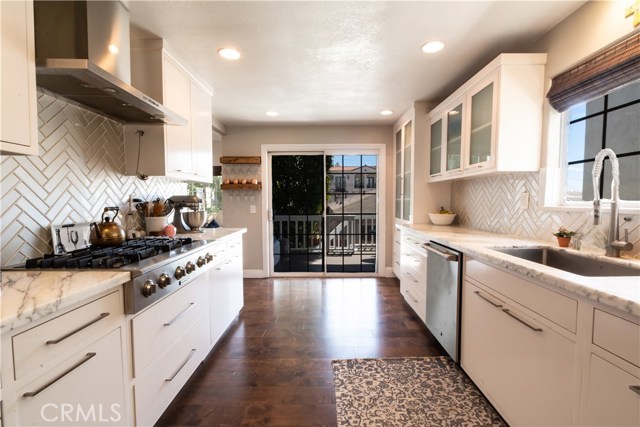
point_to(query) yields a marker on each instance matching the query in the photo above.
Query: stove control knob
(200, 262)
(190, 267)
(164, 280)
(148, 288)
(208, 257)
(180, 273)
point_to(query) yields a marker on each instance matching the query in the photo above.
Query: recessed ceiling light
(113, 49)
(229, 53)
(386, 112)
(272, 113)
(433, 46)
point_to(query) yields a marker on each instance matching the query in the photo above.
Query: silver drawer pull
(487, 299)
(411, 277)
(182, 313)
(635, 388)
(84, 360)
(411, 295)
(413, 241)
(189, 356)
(75, 331)
(533, 328)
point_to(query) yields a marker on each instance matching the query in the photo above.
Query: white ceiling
(340, 62)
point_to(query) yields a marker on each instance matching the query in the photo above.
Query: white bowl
(442, 219)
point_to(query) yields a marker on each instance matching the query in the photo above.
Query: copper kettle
(107, 232)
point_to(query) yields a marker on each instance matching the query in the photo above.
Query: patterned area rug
(403, 392)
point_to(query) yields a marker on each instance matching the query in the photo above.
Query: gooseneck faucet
(614, 244)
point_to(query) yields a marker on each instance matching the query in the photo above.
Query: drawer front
(157, 328)
(617, 335)
(91, 380)
(417, 301)
(155, 390)
(551, 305)
(219, 253)
(37, 346)
(234, 247)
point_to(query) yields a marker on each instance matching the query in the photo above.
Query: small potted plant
(564, 236)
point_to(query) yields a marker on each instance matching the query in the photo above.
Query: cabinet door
(538, 368)
(610, 400)
(407, 152)
(453, 147)
(18, 107)
(435, 158)
(399, 174)
(481, 101)
(235, 275)
(481, 339)
(90, 393)
(201, 134)
(177, 95)
(218, 282)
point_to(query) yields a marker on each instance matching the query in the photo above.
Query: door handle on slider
(533, 328)
(487, 299)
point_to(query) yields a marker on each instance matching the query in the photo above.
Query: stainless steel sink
(571, 262)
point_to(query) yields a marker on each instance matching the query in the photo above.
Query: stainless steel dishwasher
(443, 296)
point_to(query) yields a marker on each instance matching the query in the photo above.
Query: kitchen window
(597, 105)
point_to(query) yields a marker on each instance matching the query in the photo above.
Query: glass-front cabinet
(481, 114)
(404, 149)
(492, 123)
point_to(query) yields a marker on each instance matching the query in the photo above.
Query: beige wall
(248, 141)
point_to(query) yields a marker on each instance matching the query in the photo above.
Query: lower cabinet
(524, 365)
(413, 273)
(88, 389)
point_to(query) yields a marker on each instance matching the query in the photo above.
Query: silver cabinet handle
(397, 262)
(635, 388)
(447, 256)
(411, 295)
(411, 277)
(533, 328)
(487, 299)
(189, 356)
(84, 360)
(413, 241)
(75, 331)
(182, 313)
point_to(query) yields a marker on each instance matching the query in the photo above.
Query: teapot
(107, 232)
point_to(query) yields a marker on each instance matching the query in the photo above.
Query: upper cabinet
(180, 152)
(18, 109)
(414, 196)
(493, 123)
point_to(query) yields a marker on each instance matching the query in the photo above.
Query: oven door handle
(447, 256)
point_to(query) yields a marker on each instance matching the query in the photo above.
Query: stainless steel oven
(443, 296)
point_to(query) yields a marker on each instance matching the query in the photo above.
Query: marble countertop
(30, 295)
(622, 293)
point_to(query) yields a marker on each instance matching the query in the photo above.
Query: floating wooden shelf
(238, 160)
(257, 186)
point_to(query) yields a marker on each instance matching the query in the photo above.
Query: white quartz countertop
(30, 295)
(622, 293)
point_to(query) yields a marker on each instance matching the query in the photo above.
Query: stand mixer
(189, 216)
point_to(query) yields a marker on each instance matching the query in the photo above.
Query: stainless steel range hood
(83, 54)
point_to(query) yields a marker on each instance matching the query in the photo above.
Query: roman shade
(594, 77)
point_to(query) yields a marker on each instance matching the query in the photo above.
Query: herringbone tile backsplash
(78, 172)
(492, 204)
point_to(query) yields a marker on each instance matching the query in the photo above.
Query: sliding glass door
(324, 213)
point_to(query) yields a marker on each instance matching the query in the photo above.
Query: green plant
(564, 232)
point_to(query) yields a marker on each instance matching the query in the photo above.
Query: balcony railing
(346, 234)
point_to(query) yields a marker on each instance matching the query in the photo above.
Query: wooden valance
(616, 66)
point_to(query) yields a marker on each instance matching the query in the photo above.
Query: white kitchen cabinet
(414, 196)
(18, 108)
(181, 152)
(519, 359)
(413, 273)
(69, 369)
(396, 254)
(492, 123)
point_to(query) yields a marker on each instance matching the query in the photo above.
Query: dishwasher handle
(446, 255)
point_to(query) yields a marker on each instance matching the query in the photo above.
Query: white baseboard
(388, 272)
(253, 274)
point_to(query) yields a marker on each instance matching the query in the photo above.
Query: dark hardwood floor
(273, 366)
